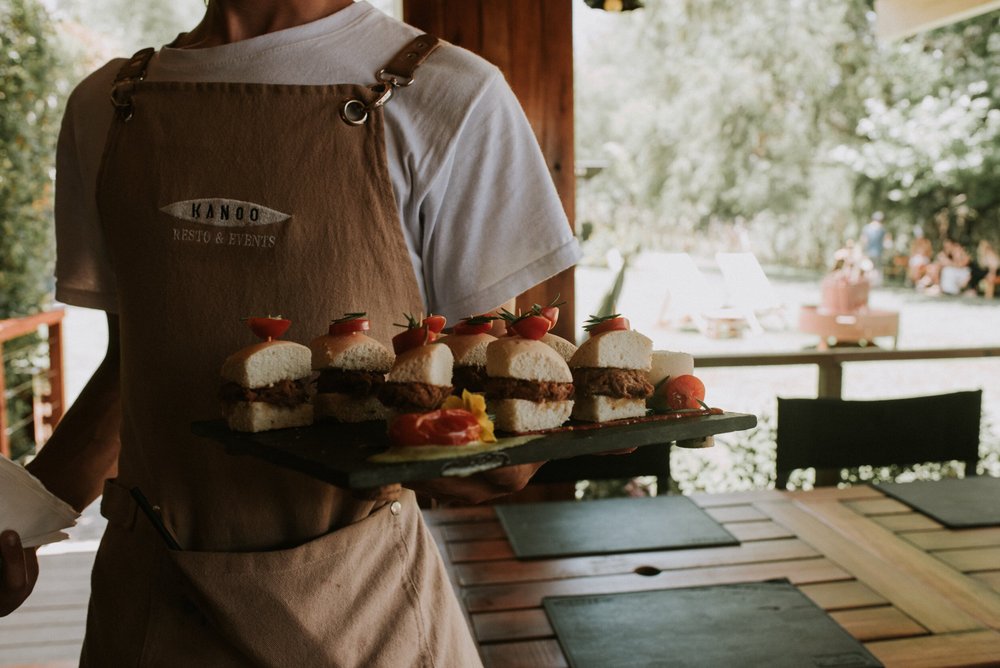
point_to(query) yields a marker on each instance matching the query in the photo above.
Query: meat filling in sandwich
(623, 383)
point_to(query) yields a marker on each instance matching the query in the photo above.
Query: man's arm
(83, 450)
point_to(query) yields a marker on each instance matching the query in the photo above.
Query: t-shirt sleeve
(493, 224)
(83, 273)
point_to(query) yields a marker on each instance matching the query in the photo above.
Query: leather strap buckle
(397, 74)
(132, 72)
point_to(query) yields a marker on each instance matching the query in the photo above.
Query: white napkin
(36, 514)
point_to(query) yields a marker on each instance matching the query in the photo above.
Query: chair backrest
(747, 286)
(836, 433)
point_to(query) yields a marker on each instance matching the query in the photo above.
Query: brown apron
(221, 201)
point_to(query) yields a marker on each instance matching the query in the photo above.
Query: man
(435, 196)
(873, 244)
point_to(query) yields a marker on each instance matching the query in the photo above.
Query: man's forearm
(83, 450)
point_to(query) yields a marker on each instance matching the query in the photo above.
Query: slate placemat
(959, 503)
(606, 526)
(758, 624)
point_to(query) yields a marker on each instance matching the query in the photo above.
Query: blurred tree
(28, 125)
(786, 115)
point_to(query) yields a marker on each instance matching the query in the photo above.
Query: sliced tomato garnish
(551, 313)
(269, 328)
(435, 323)
(452, 426)
(682, 392)
(350, 326)
(411, 338)
(463, 328)
(610, 325)
(532, 327)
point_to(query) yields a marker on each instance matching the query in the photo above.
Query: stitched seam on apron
(426, 658)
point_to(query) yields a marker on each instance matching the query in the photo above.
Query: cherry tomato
(269, 328)
(349, 326)
(551, 313)
(411, 338)
(532, 327)
(435, 323)
(685, 391)
(452, 426)
(464, 328)
(610, 325)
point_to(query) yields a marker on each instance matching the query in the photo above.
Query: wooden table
(915, 593)
(860, 327)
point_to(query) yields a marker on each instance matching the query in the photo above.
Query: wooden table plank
(706, 500)
(883, 506)
(487, 598)
(877, 623)
(928, 607)
(932, 575)
(480, 550)
(842, 595)
(991, 578)
(530, 654)
(955, 539)
(484, 530)
(907, 522)
(971, 560)
(616, 564)
(978, 648)
(839, 493)
(752, 531)
(746, 513)
(508, 625)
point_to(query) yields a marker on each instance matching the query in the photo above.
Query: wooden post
(531, 41)
(56, 397)
(831, 379)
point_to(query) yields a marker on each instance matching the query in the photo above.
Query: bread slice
(519, 415)
(560, 345)
(618, 349)
(254, 416)
(430, 364)
(468, 349)
(345, 408)
(265, 363)
(350, 352)
(598, 408)
(525, 359)
(665, 363)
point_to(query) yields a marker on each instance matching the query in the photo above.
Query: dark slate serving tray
(607, 526)
(337, 453)
(957, 503)
(756, 624)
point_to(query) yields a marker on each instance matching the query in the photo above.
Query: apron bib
(221, 201)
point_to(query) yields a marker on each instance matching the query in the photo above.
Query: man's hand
(480, 487)
(18, 572)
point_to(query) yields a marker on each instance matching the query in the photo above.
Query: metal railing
(48, 398)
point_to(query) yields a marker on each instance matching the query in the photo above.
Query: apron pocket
(344, 599)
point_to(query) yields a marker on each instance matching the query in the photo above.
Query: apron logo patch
(238, 217)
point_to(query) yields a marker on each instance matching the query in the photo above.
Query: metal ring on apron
(355, 112)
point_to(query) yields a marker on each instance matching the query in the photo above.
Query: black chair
(833, 434)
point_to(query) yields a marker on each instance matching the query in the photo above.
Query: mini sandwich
(352, 368)
(565, 348)
(266, 386)
(528, 386)
(468, 343)
(610, 372)
(420, 378)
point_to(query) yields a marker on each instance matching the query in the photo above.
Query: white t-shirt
(480, 214)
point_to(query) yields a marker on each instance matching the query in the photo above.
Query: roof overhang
(897, 19)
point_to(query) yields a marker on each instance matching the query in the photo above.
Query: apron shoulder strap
(399, 71)
(132, 71)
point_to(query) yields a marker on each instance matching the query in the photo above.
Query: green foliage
(28, 128)
(790, 119)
